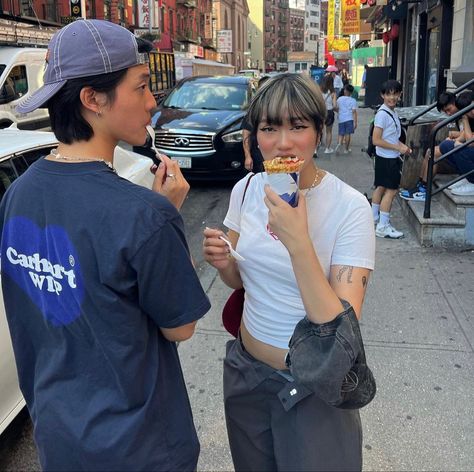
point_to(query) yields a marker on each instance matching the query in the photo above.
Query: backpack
(370, 145)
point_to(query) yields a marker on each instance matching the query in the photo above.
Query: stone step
(443, 229)
(456, 200)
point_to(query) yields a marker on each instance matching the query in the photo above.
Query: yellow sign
(338, 44)
(350, 16)
(331, 18)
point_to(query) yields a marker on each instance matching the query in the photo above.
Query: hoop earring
(98, 114)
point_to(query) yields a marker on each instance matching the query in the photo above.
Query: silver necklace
(54, 153)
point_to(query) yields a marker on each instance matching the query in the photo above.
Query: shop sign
(143, 13)
(350, 16)
(338, 44)
(331, 18)
(224, 41)
(207, 26)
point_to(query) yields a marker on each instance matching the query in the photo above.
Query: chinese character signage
(224, 41)
(338, 44)
(331, 18)
(144, 13)
(207, 26)
(350, 16)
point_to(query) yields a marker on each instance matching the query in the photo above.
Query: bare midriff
(271, 355)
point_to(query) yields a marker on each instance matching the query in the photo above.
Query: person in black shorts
(386, 138)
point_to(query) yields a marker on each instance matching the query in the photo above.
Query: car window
(7, 175)
(13, 167)
(211, 96)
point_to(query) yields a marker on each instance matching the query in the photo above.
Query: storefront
(418, 38)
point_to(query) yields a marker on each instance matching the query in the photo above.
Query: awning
(365, 12)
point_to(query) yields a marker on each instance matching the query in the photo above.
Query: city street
(418, 327)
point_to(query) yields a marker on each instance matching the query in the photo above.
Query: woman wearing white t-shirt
(329, 95)
(300, 263)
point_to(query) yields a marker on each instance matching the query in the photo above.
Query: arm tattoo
(341, 273)
(364, 281)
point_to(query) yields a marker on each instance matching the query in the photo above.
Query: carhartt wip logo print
(44, 263)
(43, 273)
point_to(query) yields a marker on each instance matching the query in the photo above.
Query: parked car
(199, 124)
(18, 150)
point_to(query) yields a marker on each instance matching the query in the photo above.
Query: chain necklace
(54, 153)
(317, 179)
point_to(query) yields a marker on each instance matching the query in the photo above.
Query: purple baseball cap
(81, 49)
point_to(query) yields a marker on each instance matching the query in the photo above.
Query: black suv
(199, 124)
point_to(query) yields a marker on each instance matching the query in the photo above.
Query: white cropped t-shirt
(341, 228)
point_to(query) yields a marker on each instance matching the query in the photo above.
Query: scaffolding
(20, 34)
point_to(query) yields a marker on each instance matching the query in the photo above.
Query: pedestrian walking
(329, 95)
(299, 263)
(347, 117)
(97, 278)
(338, 83)
(388, 147)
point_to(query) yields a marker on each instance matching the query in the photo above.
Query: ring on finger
(171, 176)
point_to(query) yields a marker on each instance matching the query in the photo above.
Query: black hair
(349, 88)
(286, 95)
(445, 99)
(391, 86)
(464, 99)
(65, 107)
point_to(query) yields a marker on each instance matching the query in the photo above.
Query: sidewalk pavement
(418, 328)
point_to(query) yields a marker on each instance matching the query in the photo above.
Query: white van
(21, 73)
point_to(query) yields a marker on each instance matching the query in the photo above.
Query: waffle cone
(280, 165)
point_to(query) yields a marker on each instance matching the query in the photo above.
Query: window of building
(107, 11)
(171, 22)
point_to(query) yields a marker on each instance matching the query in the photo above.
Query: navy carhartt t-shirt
(92, 266)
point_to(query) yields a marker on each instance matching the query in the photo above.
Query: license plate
(184, 162)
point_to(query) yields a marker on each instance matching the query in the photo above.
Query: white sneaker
(337, 147)
(388, 231)
(464, 189)
(347, 151)
(458, 184)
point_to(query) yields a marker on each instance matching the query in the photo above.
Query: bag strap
(391, 116)
(245, 189)
(394, 122)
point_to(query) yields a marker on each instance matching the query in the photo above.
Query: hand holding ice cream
(283, 175)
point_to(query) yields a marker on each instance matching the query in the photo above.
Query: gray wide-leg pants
(274, 424)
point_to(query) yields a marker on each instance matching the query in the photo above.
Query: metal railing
(431, 161)
(433, 105)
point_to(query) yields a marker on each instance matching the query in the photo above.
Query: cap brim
(40, 97)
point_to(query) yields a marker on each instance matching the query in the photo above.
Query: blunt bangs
(287, 96)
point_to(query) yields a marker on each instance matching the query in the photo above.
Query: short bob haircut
(464, 99)
(285, 96)
(393, 86)
(445, 99)
(65, 107)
